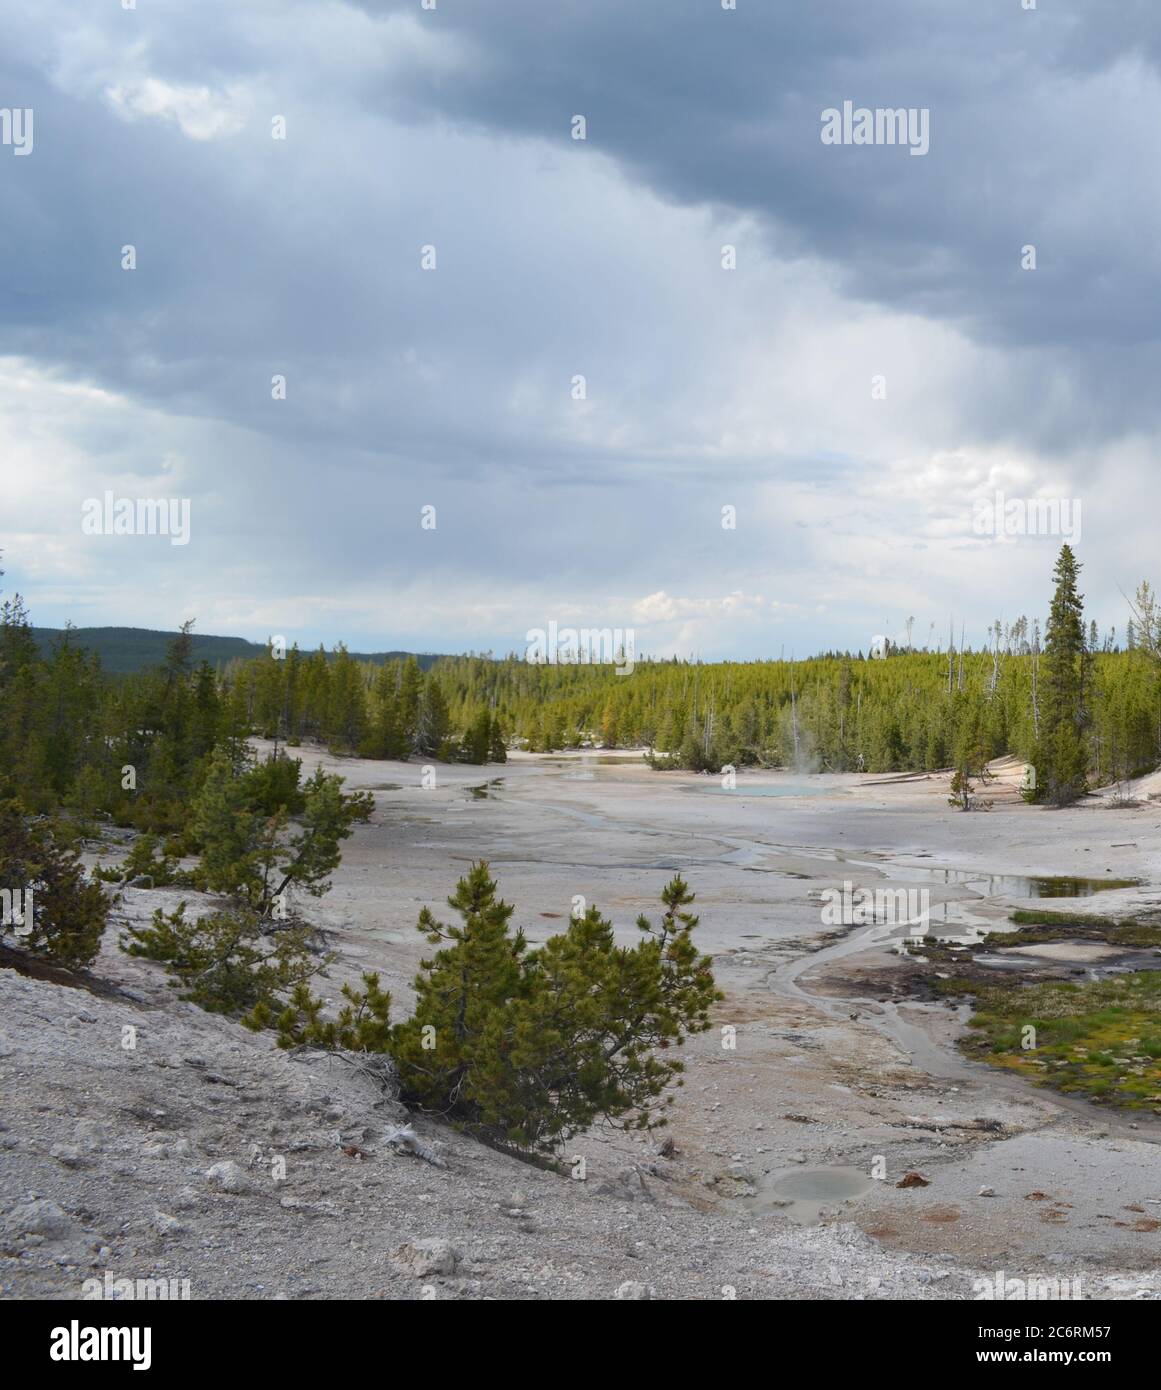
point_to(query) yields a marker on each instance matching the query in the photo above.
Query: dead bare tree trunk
(1035, 676)
(794, 716)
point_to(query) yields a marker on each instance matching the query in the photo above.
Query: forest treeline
(67, 730)
(912, 711)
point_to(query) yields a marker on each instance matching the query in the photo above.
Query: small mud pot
(803, 1194)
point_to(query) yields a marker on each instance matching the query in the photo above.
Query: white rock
(435, 1255)
(91, 1134)
(227, 1176)
(405, 1140)
(39, 1218)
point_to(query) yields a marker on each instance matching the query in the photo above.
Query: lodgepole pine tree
(251, 853)
(528, 1048)
(475, 975)
(61, 914)
(227, 962)
(346, 716)
(410, 689)
(1061, 756)
(497, 744)
(432, 723)
(386, 737)
(971, 760)
(363, 1024)
(478, 739)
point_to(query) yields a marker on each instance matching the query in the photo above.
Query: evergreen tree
(226, 962)
(328, 817)
(528, 1048)
(242, 826)
(478, 739)
(387, 740)
(971, 759)
(1061, 756)
(475, 975)
(270, 695)
(497, 744)
(206, 715)
(346, 721)
(229, 832)
(609, 726)
(410, 688)
(432, 723)
(363, 1024)
(61, 914)
(316, 679)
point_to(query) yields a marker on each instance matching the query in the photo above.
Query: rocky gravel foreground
(144, 1140)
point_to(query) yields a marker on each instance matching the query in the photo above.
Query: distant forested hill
(126, 649)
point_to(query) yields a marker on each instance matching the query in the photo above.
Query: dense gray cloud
(453, 388)
(1038, 117)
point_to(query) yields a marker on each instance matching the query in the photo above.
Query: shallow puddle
(1077, 887)
(485, 791)
(601, 759)
(765, 789)
(802, 1193)
(1017, 885)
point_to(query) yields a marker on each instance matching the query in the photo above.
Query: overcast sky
(453, 388)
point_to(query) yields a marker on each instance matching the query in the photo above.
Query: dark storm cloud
(1043, 132)
(1036, 117)
(559, 257)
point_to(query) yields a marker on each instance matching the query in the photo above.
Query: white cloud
(201, 112)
